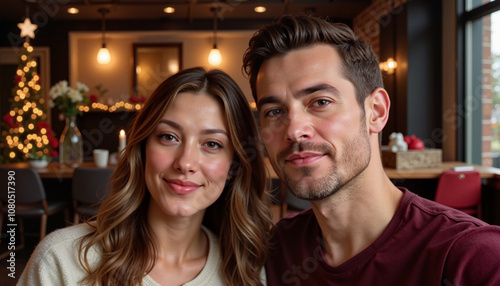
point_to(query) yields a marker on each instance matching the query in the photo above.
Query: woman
(192, 157)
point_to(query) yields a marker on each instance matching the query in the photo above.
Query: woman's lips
(182, 187)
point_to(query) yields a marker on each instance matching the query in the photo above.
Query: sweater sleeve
(55, 260)
(42, 270)
(474, 258)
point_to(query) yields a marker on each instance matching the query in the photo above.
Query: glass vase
(71, 144)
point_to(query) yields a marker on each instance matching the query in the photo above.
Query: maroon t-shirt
(424, 244)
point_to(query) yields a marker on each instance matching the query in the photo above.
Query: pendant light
(215, 58)
(103, 56)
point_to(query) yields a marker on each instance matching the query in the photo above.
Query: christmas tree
(26, 133)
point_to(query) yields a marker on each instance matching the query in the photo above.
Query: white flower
(58, 89)
(81, 87)
(75, 95)
(67, 98)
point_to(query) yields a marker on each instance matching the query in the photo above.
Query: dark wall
(100, 130)
(394, 43)
(424, 71)
(412, 35)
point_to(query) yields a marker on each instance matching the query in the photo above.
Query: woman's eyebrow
(205, 131)
(214, 131)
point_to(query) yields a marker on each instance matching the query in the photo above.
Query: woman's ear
(377, 110)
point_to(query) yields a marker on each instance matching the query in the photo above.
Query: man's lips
(182, 187)
(304, 158)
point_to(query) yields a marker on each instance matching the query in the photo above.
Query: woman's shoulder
(55, 259)
(63, 238)
(69, 233)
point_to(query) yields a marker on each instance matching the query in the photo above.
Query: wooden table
(54, 170)
(434, 173)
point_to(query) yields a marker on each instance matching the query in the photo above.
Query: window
(480, 89)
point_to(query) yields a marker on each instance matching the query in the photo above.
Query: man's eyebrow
(265, 100)
(318, 87)
(205, 131)
(301, 93)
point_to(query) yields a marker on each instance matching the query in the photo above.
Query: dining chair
(89, 189)
(460, 190)
(26, 197)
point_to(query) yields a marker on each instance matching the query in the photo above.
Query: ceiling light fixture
(215, 58)
(103, 56)
(73, 10)
(169, 10)
(260, 9)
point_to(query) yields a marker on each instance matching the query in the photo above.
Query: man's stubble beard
(344, 169)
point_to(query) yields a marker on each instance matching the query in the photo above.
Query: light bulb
(215, 58)
(388, 66)
(103, 56)
(391, 63)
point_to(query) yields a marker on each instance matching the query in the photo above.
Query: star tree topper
(27, 29)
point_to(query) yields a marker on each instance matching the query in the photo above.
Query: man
(322, 105)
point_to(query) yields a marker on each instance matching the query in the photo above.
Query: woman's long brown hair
(240, 217)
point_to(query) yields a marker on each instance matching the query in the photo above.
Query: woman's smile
(182, 187)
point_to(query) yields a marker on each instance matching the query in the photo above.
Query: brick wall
(487, 156)
(367, 24)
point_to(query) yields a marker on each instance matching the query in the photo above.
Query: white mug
(101, 157)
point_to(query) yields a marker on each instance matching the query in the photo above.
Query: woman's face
(188, 156)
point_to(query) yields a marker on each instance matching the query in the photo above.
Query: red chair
(460, 190)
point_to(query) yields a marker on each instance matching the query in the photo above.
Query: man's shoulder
(452, 228)
(421, 208)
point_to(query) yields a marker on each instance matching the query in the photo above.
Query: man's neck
(355, 216)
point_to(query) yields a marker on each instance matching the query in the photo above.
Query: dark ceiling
(188, 10)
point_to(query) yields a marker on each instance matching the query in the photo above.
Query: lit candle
(122, 142)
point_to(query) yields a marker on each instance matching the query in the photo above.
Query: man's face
(312, 126)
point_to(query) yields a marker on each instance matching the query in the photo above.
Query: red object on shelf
(414, 143)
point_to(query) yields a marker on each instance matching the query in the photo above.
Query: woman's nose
(187, 159)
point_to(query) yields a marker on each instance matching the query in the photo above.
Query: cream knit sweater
(55, 261)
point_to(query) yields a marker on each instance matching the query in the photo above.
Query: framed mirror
(153, 63)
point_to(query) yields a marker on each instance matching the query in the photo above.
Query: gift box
(411, 159)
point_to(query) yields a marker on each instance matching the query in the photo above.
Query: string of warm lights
(118, 106)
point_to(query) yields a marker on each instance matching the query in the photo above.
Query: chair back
(90, 184)
(460, 190)
(27, 185)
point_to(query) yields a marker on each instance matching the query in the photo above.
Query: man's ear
(377, 110)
